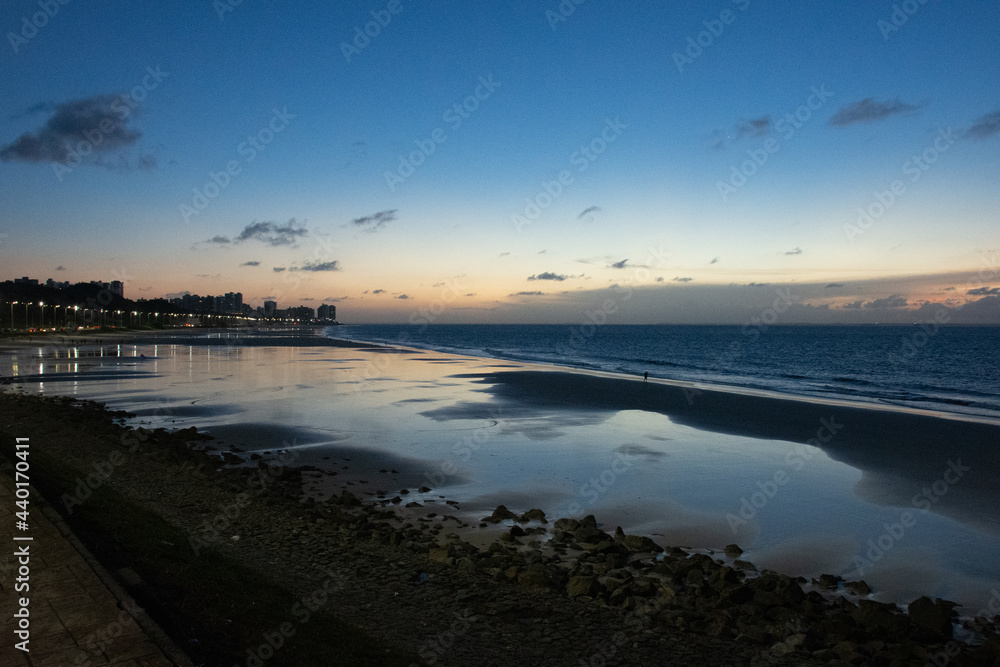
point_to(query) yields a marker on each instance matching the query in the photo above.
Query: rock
(881, 620)
(932, 619)
(536, 576)
(858, 587)
(423, 489)
(637, 543)
(501, 513)
(591, 535)
(517, 531)
(733, 551)
(348, 499)
(744, 565)
(582, 585)
(589, 520)
(438, 555)
(567, 525)
(829, 581)
(533, 515)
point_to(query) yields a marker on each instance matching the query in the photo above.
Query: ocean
(952, 369)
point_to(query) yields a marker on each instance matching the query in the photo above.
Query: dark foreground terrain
(240, 569)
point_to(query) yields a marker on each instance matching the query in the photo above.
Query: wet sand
(802, 486)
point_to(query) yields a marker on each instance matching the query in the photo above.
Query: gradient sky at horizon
(647, 212)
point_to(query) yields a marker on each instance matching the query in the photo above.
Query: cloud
(104, 116)
(894, 301)
(60, 268)
(618, 265)
(504, 254)
(755, 127)
(797, 251)
(985, 126)
(251, 263)
(682, 280)
(548, 275)
(378, 291)
(219, 239)
(279, 269)
(834, 285)
(403, 296)
(272, 233)
(176, 295)
(317, 266)
(471, 294)
(869, 110)
(528, 294)
(659, 279)
(376, 221)
(587, 211)
(984, 291)
(715, 260)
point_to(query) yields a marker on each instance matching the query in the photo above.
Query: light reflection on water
(680, 484)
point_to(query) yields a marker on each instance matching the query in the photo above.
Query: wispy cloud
(985, 291)
(221, 240)
(894, 301)
(528, 294)
(715, 260)
(679, 279)
(251, 263)
(60, 268)
(317, 266)
(588, 211)
(548, 275)
(755, 127)
(106, 116)
(375, 221)
(403, 296)
(834, 285)
(279, 269)
(985, 126)
(797, 251)
(869, 110)
(272, 233)
(618, 265)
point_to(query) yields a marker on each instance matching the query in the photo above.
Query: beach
(898, 498)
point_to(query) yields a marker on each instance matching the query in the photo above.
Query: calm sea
(951, 369)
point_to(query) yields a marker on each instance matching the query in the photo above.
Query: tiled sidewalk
(77, 617)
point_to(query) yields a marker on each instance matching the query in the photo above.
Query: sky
(649, 162)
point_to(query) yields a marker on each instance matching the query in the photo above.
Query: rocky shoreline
(543, 591)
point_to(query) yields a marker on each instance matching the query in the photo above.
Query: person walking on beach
(645, 376)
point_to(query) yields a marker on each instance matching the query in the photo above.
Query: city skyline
(681, 163)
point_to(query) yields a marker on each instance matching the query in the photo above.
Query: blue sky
(654, 141)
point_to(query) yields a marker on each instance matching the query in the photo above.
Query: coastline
(636, 603)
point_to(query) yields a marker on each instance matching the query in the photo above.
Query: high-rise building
(326, 312)
(269, 308)
(118, 287)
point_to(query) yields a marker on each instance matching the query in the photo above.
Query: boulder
(533, 515)
(578, 586)
(932, 619)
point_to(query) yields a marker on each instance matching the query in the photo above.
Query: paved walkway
(78, 614)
